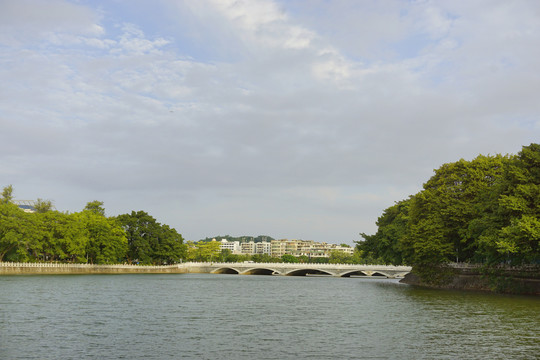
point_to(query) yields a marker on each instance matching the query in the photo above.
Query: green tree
(387, 244)
(59, 237)
(141, 232)
(263, 258)
(95, 207)
(150, 242)
(318, 260)
(518, 218)
(16, 232)
(440, 215)
(287, 258)
(339, 257)
(107, 241)
(484, 210)
(225, 254)
(170, 247)
(203, 251)
(7, 194)
(42, 206)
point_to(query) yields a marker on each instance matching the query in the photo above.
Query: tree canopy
(86, 236)
(150, 242)
(484, 211)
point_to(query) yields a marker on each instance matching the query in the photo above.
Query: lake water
(205, 316)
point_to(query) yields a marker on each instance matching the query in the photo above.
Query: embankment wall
(54, 269)
(524, 280)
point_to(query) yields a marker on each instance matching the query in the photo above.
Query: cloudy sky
(290, 118)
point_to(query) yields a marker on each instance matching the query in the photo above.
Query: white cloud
(30, 20)
(258, 117)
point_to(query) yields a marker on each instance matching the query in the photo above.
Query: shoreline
(487, 280)
(294, 269)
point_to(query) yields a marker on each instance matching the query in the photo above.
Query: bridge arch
(354, 273)
(260, 271)
(225, 270)
(308, 272)
(365, 273)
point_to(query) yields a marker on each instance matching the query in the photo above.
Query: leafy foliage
(203, 251)
(86, 236)
(7, 194)
(150, 242)
(386, 245)
(485, 211)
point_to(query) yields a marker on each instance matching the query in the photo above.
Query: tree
(263, 258)
(518, 239)
(339, 257)
(141, 230)
(386, 245)
(225, 254)
(485, 211)
(7, 194)
(441, 213)
(59, 237)
(203, 251)
(42, 206)
(107, 241)
(95, 207)
(169, 248)
(15, 231)
(287, 258)
(149, 242)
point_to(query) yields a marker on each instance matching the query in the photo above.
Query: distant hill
(241, 239)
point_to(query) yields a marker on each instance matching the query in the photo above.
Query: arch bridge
(297, 269)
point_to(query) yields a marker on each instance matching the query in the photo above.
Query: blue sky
(294, 119)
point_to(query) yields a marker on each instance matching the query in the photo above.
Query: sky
(297, 119)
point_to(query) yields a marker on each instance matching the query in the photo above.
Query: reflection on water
(203, 316)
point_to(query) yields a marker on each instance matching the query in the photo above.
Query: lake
(207, 316)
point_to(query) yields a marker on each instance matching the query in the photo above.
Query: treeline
(482, 211)
(87, 236)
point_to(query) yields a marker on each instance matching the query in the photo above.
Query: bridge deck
(297, 269)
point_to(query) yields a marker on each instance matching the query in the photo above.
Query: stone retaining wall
(7, 268)
(512, 281)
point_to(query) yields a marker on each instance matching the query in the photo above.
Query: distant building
(28, 206)
(248, 248)
(263, 248)
(307, 248)
(278, 248)
(234, 246)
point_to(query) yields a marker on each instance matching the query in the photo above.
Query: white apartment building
(234, 246)
(248, 248)
(278, 248)
(308, 248)
(347, 250)
(263, 248)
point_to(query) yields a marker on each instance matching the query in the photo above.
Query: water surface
(205, 316)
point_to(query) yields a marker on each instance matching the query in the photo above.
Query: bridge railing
(77, 266)
(222, 264)
(304, 265)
